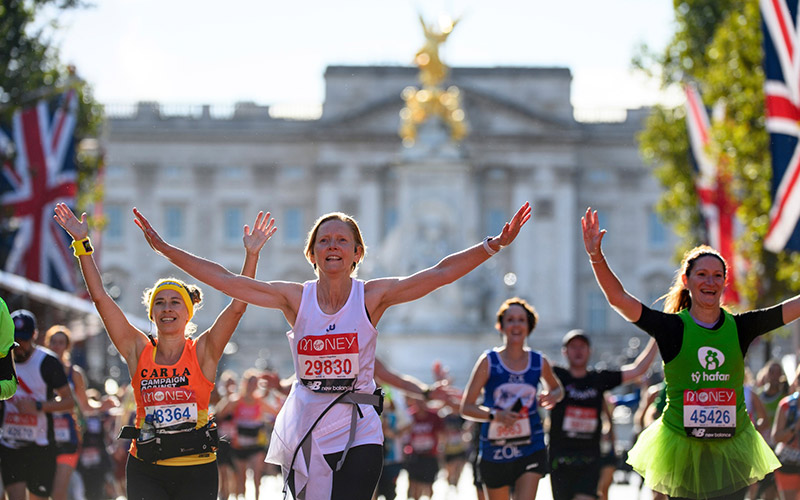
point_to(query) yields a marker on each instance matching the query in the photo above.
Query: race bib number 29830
(328, 363)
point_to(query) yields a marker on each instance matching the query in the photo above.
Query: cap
(24, 324)
(575, 334)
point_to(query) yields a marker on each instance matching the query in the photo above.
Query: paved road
(271, 487)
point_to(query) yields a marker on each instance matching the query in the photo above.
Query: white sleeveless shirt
(324, 351)
(21, 429)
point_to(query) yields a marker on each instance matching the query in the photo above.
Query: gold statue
(432, 100)
(432, 70)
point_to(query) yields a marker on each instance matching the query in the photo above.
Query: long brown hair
(678, 298)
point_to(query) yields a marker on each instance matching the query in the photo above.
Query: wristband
(601, 259)
(492, 414)
(426, 394)
(489, 249)
(38, 406)
(82, 247)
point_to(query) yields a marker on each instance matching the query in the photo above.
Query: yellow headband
(171, 285)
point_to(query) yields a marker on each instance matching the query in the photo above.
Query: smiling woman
(704, 445)
(512, 452)
(327, 437)
(172, 375)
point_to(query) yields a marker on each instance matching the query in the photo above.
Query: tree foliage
(30, 69)
(718, 46)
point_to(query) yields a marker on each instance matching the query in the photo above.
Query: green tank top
(705, 395)
(6, 330)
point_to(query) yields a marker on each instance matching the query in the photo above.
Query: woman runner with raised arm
(328, 437)
(172, 374)
(704, 445)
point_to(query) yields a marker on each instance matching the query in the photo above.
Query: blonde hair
(55, 330)
(678, 297)
(311, 238)
(193, 291)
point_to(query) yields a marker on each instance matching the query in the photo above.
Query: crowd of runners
(344, 424)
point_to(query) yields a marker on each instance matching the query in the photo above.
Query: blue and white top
(512, 390)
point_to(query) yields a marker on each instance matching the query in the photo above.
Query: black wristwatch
(492, 414)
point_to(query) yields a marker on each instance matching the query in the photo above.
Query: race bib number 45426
(709, 413)
(328, 363)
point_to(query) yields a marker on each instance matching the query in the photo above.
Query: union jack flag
(782, 92)
(717, 206)
(40, 174)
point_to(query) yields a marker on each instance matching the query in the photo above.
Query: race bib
(61, 428)
(20, 427)
(580, 422)
(709, 413)
(90, 457)
(422, 443)
(518, 433)
(328, 363)
(170, 406)
(248, 437)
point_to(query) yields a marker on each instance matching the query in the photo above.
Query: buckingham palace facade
(200, 173)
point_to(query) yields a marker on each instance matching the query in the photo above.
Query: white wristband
(486, 246)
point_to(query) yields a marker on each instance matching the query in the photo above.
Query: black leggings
(156, 482)
(359, 475)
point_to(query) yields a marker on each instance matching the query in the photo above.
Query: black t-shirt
(575, 424)
(667, 328)
(53, 374)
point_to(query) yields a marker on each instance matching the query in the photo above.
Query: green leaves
(30, 69)
(718, 45)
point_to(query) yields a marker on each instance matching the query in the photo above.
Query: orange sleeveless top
(176, 395)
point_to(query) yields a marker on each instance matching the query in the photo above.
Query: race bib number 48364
(709, 413)
(328, 363)
(170, 406)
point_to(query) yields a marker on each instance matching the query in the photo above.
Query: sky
(268, 52)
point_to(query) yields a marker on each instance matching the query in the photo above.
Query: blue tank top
(517, 391)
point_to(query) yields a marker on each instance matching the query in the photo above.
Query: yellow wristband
(82, 247)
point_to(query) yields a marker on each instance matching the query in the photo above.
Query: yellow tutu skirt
(680, 466)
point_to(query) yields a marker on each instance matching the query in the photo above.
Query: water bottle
(148, 430)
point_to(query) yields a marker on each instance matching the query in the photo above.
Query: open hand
(150, 234)
(548, 399)
(263, 229)
(511, 228)
(443, 391)
(592, 234)
(506, 417)
(78, 229)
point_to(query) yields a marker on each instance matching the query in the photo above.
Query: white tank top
(323, 348)
(20, 429)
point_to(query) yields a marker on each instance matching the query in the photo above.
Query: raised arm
(212, 343)
(642, 363)
(391, 291)
(274, 295)
(791, 309)
(128, 340)
(623, 302)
